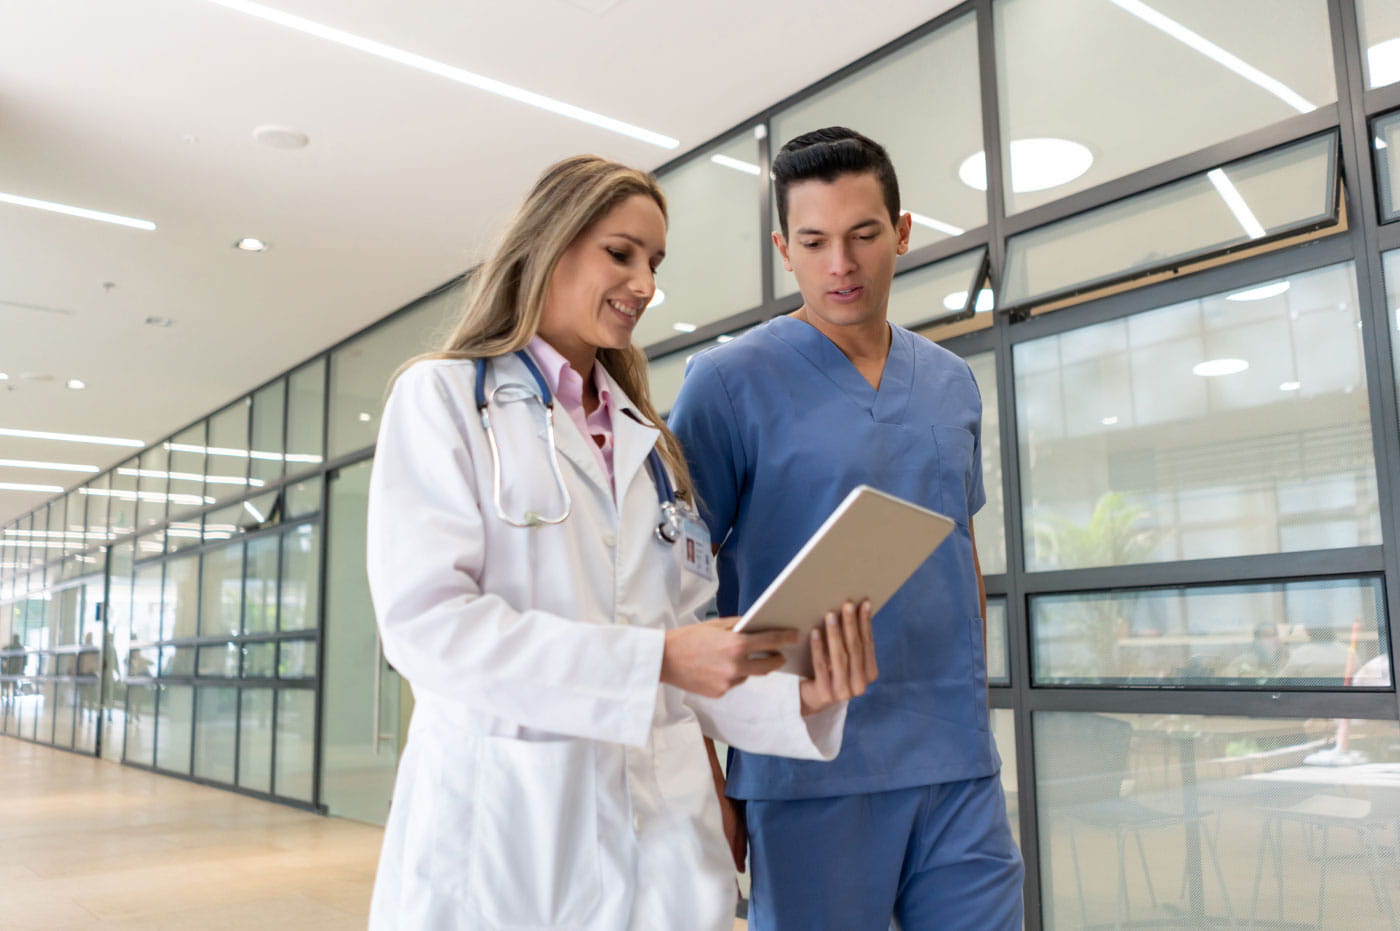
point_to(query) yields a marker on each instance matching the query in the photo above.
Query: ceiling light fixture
(683, 327)
(21, 486)
(125, 495)
(1290, 386)
(939, 225)
(1383, 62)
(1261, 293)
(4, 377)
(365, 417)
(159, 321)
(1215, 53)
(77, 384)
(82, 212)
(281, 137)
(1214, 368)
(240, 453)
(1231, 195)
(55, 466)
(1109, 421)
(748, 168)
(193, 477)
(460, 75)
(249, 244)
(71, 437)
(657, 299)
(1037, 164)
(958, 300)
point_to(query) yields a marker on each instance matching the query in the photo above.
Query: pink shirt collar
(567, 385)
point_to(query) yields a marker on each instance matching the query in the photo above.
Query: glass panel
(296, 739)
(143, 662)
(121, 513)
(269, 415)
(260, 586)
(153, 484)
(719, 189)
(297, 659)
(175, 714)
(303, 498)
(306, 415)
(182, 597)
(255, 740)
(97, 507)
(177, 661)
(227, 470)
(215, 730)
(1392, 289)
(67, 609)
(1186, 821)
(1296, 633)
(300, 578)
(183, 534)
(221, 590)
(997, 666)
(220, 660)
(990, 522)
(935, 293)
(923, 104)
(1380, 37)
(259, 660)
(1387, 142)
(64, 711)
(1230, 425)
(145, 606)
(43, 728)
(85, 737)
(361, 369)
(140, 724)
(225, 522)
(187, 464)
(1091, 91)
(1003, 721)
(1291, 188)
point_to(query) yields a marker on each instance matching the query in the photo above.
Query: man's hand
(709, 658)
(843, 659)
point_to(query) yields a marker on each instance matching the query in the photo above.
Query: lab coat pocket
(683, 770)
(535, 851)
(955, 449)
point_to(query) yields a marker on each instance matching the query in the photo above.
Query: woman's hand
(709, 658)
(843, 659)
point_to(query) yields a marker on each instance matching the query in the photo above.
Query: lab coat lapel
(569, 442)
(632, 440)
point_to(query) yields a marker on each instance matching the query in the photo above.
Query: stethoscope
(668, 529)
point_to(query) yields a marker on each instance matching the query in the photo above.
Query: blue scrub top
(778, 426)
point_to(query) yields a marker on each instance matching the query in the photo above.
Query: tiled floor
(90, 844)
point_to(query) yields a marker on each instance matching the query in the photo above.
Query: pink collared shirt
(567, 385)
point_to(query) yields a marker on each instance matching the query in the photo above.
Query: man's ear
(780, 241)
(902, 230)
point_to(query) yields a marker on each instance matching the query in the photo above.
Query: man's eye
(811, 244)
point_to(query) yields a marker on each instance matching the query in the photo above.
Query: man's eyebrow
(813, 231)
(660, 253)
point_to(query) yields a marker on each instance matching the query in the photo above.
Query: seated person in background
(1322, 657)
(1263, 659)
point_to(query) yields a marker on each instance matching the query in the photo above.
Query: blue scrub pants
(936, 858)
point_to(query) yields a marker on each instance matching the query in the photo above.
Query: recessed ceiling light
(657, 299)
(249, 244)
(71, 437)
(1109, 421)
(365, 417)
(460, 75)
(1290, 386)
(1263, 292)
(281, 137)
(683, 327)
(82, 212)
(1213, 368)
(159, 321)
(77, 384)
(55, 466)
(1036, 165)
(958, 300)
(748, 168)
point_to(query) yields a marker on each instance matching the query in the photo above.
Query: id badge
(695, 543)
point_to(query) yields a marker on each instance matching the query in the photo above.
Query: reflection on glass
(153, 485)
(221, 590)
(97, 507)
(226, 473)
(302, 498)
(182, 597)
(1392, 291)
(1380, 38)
(121, 513)
(260, 586)
(177, 661)
(219, 660)
(215, 730)
(269, 415)
(297, 659)
(174, 719)
(186, 464)
(140, 725)
(1193, 822)
(1234, 424)
(306, 415)
(717, 190)
(361, 369)
(296, 735)
(300, 578)
(1328, 633)
(997, 670)
(1210, 72)
(255, 740)
(85, 729)
(990, 523)
(933, 293)
(1386, 131)
(259, 660)
(923, 104)
(145, 603)
(1291, 188)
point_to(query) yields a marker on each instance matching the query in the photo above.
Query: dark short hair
(824, 155)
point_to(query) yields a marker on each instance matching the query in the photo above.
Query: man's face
(842, 248)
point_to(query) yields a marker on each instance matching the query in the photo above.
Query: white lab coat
(550, 780)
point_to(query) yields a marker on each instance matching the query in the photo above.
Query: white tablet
(869, 547)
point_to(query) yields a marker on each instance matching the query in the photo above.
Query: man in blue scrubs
(909, 822)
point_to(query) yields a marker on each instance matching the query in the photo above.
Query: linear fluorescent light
(461, 76)
(1214, 368)
(257, 515)
(21, 486)
(240, 453)
(55, 466)
(1215, 53)
(71, 437)
(125, 495)
(192, 477)
(939, 225)
(747, 168)
(72, 211)
(1231, 195)
(49, 534)
(1262, 292)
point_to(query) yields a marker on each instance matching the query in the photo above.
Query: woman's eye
(618, 255)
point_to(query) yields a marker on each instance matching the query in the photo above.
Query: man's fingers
(836, 650)
(855, 652)
(872, 668)
(762, 665)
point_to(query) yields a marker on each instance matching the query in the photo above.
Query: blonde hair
(506, 294)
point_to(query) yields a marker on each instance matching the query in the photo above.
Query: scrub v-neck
(884, 405)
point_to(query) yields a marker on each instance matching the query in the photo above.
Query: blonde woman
(536, 568)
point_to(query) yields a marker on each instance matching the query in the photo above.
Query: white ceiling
(146, 108)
